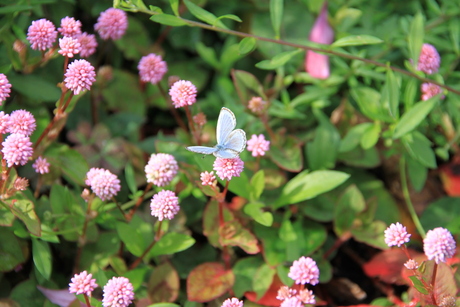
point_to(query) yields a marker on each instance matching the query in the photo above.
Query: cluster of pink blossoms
(165, 205)
(429, 62)
(228, 168)
(103, 183)
(152, 68)
(17, 147)
(232, 302)
(258, 145)
(183, 93)
(117, 292)
(41, 165)
(303, 271)
(161, 169)
(5, 88)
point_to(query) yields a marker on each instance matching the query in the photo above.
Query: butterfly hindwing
(236, 140)
(202, 149)
(225, 125)
(226, 153)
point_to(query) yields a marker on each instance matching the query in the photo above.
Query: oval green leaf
(42, 257)
(357, 40)
(247, 44)
(168, 20)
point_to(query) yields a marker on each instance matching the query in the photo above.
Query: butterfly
(230, 143)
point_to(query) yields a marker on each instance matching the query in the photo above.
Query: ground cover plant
(237, 153)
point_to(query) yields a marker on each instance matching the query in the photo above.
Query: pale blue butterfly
(230, 143)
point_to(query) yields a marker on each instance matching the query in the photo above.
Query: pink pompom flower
(103, 183)
(88, 44)
(317, 65)
(292, 301)
(17, 149)
(306, 296)
(152, 68)
(118, 292)
(439, 245)
(430, 90)
(70, 27)
(79, 76)
(429, 60)
(396, 235)
(304, 271)
(258, 145)
(41, 166)
(4, 122)
(164, 205)
(5, 88)
(232, 302)
(285, 292)
(21, 121)
(257, 105)
(161, 169)
(228, 168)
(69, 46)
(112, 24)
(82, 283)
(411, 264)
(41, 34)
(207, 178)
(183, 93)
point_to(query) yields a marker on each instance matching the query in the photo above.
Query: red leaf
(388, 264)
(450, 177)
(164, 284)
(269, 298)
(209, 281)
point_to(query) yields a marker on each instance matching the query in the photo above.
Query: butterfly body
(230, 142)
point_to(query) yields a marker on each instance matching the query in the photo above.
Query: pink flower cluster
(183, 93)
(118, 292)
(103, 183)
(112, 24)
(42, 34)
(207, 178)
(258, 145)
(396, 235)
(257, 105)
(228, 168)
(41, 165)
(290, 298)
(5, 88)
(232, 302)
(430, 90)
(161, 169)
(82, 283)
(429, 59)
(164, 205)
(152, 68)
(304, 271)
(439, 244)
(79, 76)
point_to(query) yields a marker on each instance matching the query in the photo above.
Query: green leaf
(416, 36)
(171, 243)
(208, 55)
(25, 211)
(240, 185)
(276, 15)
(263, 279)
(418, 284)
(204, 15)
(255, 211)
(278, 60)
(131, 238)
(371, 234)
(130, 179)
(454, 29)
(357, 40)
(308, 185)
(410, 93)
(244, 270)
(353, 137)
(390, 94)
(287, 156)
(35, 87)
(42, 257)
(369, 102)
(11, 253)
(247, 45)
(349, 205)
(72, 164)
(444, 212)
(175, 6)
(168, 20)
(230, 16)
(257, 185)
(419, 148)
(15, 9)
(370, 137)
(417, 173)
(412, 118)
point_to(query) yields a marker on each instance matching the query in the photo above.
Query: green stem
(405, 190)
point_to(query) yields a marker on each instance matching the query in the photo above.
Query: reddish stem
(138, 203)
(147, 250)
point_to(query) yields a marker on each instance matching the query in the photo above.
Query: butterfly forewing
(225, 124)
(226, 153)
(202, 149)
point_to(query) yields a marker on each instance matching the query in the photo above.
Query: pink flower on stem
(79, 76)
(21, 121)
(429, 59)
(118, 292)
(112, 24)
(152, 68)
(70, 27)
(103, 183)
(285, 292)
(41, 166)
(292, 301)
(183, 93)
(4, 122)
(430, 90)
(304, 271)
(207, 178)
(164, 205)
(69, 46)
(228, 168)
(232, 302)
(439, 245)
(88, 44)
(411, 264)
(161, 169)
(17, 149)
(5, 88)
(306, 296)
(41, 34)
(258, 145)
(82, 283)
(317, 65)
(257, 105)
(396, 235)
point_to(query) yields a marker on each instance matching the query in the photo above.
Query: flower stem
(87, 300)
(405, 190)
(147, 250)
(130, 215)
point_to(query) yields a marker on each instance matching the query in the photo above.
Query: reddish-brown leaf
(269, 298)
(163, 284)
(232, 233)
(387, 265)
(211, 222)
(209, 281)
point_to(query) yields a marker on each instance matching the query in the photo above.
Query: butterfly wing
(225, 125)
(236, 141)
(226, 153)
(202, 149)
